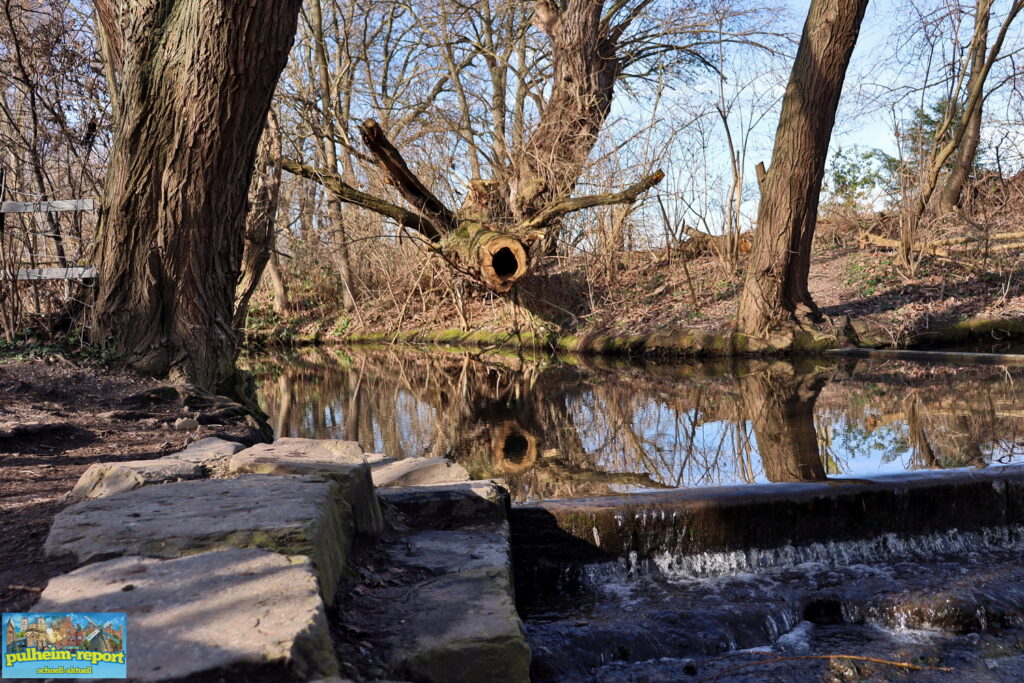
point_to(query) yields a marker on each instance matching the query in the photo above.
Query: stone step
(294, 515)
(418, 472)
(104, 479)
(343, 461)
(227, 611)
(452, 615)
(446, 506)
(207, 451)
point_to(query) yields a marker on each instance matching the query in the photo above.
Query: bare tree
(775, 293)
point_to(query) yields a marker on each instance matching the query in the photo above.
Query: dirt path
(56, 419)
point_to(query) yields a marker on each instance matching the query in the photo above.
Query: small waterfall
(884, 548)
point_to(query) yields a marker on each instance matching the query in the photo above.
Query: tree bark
(953, 190)
(261, 222)
(195, 81)
(586, 67)
(775, 293)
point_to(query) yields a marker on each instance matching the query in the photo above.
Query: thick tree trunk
(775, 293)
(953, 190)
(195, 82)
(586, 67)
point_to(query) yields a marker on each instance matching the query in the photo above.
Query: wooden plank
(47, 207)
(57, 273)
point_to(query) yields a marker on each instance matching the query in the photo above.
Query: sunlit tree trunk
(261, 222)
(195, 79)
(775, 293)
(953, 190)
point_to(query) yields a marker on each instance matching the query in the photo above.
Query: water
(575, 427)
(947, 600)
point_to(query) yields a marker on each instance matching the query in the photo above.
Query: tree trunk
(282, 304)
(328, 141)
(195, 82)
(953, 190)
(586, 67)
(781, 411)
(264, 198)
(775, 293)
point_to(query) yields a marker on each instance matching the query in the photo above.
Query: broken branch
(411, 188)
(561, 207)
(333, 183)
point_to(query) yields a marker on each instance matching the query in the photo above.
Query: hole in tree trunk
(515, 448)
(505, 263)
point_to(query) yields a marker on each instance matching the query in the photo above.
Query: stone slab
(108, 478)
(295, 515)
(478, 546)
(418, 472)
(449, 505)
(331, 450)
(212, 612)
(342, 461)
(207, 451)
(464, 628)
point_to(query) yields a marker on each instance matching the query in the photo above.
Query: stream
(571, 428)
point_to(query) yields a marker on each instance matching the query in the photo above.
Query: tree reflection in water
(569, 427)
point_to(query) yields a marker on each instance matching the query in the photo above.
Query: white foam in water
(909, 635)
(797, 640)
(843, 553)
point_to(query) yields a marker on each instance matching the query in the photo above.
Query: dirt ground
(56, 419)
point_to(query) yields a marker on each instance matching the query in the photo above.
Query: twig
(778, 658)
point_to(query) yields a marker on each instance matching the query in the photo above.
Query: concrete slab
(295, 515)
(217, 611)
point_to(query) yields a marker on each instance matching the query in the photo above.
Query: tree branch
(561, 207)
(333, 183)
(398, 172)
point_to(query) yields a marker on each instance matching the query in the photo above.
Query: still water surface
(555, 427)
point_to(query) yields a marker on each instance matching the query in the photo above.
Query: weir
(756, 518)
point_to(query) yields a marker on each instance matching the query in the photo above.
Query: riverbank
(674, 303)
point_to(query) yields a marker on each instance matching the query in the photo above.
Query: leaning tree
(191, 82)
(514, 215)
(775, 294)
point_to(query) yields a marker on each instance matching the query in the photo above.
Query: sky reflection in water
(570, 427)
